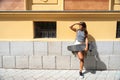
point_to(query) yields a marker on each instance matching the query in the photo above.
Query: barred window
(118, 30)
(45, 29)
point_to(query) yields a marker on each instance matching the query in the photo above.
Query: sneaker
(81, 75)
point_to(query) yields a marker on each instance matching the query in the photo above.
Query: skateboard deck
(78, 47)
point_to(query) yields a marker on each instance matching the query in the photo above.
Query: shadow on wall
(93, 60)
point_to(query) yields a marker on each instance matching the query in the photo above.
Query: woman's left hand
(86, 49)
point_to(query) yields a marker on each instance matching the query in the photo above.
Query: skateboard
(78, 47)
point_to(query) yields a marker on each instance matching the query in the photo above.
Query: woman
(81, 38)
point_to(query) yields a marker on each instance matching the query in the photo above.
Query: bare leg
(81, 58)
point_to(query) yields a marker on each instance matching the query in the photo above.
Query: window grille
(44, 29)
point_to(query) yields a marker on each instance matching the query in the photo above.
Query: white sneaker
(81, 77)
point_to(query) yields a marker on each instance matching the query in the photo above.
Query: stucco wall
(100, 30)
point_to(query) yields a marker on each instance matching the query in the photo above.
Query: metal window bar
(47, 34)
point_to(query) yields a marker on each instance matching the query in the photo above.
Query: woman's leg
(81, 58)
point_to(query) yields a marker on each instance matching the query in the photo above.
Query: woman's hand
(86, 49)
(72, 28)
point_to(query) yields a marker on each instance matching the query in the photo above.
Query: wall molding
(59, 15)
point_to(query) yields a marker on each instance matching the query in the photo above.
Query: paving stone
(50, 79)
(10, 72)
(102, 62)
(8, 61)
(68, 74)
(9, 78)
(30, 78)
(41, 78)
(94, 76)
(117, 75)
(90, 62)
(27, 74)
(21, 61)
(40, 48)
(111, 75)
(102, 76)
(114, 62)
(47, 74)
(35, 62)
(36, 76)
(51, 74)
(87, 73)
(64, 48)
(49, 62)
(63, 62)
(18, 78)
(4, 48)
(57, 76)
(71, 78)
(75, 63)
(54, 48)
(22, 48)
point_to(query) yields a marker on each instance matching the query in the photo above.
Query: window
(44, 29)
(118, 30)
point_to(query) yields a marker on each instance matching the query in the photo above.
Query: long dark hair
(84, 26)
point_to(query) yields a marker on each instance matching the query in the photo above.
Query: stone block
(92, 48)
(64, 47)
(54, 48)
(75, 63)
(49, 62)
(114, 62)
(40, 48)
(104, 47)
(8, 62)
(116, 47)
(21, 61)
(63, 62)
(4, 48)
(21, 48)
(35, 62)
(1, 63)
(90, 62)
(102, 62)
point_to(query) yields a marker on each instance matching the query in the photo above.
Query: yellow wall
(16, 30)
(100, 30)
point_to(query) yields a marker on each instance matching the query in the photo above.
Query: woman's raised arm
(72, 27)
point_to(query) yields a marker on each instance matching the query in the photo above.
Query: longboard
(78, 47)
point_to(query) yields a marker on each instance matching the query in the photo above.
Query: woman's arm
(72, 28)
(86, 42)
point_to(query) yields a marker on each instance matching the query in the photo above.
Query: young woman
(81, 38)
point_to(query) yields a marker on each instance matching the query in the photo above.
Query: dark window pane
(45, 29)
(118, 30)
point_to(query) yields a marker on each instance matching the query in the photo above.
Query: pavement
(28, 74)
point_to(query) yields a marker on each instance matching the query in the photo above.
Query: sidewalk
(26, 74)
